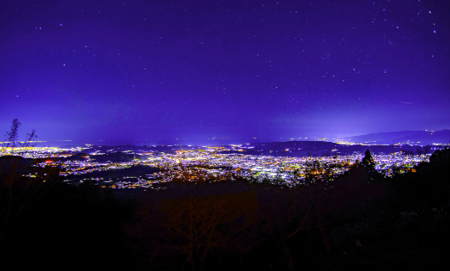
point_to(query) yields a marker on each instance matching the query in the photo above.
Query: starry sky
(173, 71)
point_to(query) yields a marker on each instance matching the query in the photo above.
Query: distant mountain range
(424, 137)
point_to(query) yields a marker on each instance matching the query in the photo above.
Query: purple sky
(160, 70)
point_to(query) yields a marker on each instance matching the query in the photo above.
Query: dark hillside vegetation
(358, 221)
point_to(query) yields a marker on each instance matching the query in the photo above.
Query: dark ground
(359, 222)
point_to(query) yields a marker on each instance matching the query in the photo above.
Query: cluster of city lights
(211, 164)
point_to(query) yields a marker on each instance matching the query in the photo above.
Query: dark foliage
(368, 161)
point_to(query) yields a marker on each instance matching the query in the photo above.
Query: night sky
(145, 72)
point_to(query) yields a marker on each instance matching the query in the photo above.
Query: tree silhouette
(368, 161)
(199, 224)
(12, 136)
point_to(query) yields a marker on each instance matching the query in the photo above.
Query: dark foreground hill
(360, 221)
